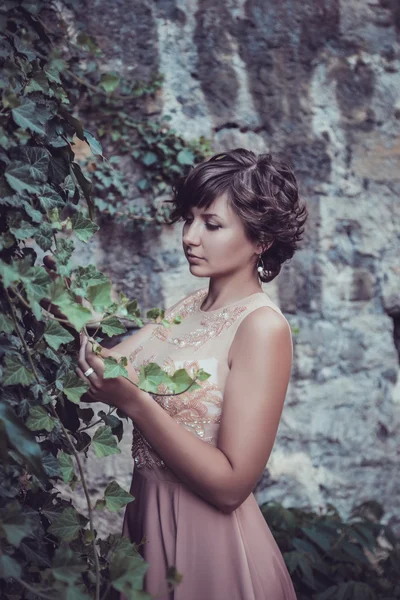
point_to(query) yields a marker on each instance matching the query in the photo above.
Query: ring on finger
(89, 372)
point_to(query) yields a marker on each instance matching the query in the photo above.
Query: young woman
(199, 455)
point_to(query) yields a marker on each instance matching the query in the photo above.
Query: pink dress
(220, 556)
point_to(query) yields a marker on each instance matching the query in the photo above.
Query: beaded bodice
(201, 340)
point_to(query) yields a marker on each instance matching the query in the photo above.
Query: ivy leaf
(9, 567)
(67, 565)
(74, 387)
(39, 418)
(94, 144)
(181, 381)
(49, 198)
(6, 324)
(16, 524)
(112, 368)
(19, 177)
(202, 375)
(22, 440)
(16, 373)
(50, 464)
(112, 326)
(150, 377)
(67, 525)
(149, 159)
(115, 497)
(127, 572)
(185, 157)
(83, 227)
(44, 236)
(66, 465)
(109, 82)
(100, 295)
(89, 275)
(30, 115)
(55, 334)
(76, 314)
(104, 443)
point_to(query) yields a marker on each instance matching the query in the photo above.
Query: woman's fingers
(81, 375)
(93, 379)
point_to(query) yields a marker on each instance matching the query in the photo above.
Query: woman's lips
(192, 257)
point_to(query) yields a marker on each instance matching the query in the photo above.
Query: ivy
(48, 200)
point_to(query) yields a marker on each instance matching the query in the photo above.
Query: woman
(199, 455)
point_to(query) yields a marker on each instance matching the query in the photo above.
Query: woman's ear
(261, 248)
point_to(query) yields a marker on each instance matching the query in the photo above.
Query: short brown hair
(264, 193)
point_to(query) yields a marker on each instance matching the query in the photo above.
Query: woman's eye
(212, 227)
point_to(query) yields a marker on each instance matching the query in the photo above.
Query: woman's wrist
(130, 399)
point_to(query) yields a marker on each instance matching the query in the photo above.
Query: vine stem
(75, 453)
(34, 591)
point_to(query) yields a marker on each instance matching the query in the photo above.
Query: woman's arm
(253, 401)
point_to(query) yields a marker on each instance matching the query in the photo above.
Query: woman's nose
(191, 234)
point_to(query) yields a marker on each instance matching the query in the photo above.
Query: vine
(48, 199)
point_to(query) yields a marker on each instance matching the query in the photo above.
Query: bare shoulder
(260, 330)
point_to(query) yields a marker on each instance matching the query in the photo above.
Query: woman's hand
(116, 391)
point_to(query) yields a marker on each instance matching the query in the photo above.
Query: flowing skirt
(220, 556)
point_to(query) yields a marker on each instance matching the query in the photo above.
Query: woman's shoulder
(263, 313)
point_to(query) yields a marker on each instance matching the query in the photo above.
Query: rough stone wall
(317, 82)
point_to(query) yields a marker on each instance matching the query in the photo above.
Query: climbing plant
(47, 201)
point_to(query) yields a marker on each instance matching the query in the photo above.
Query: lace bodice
(201, 340)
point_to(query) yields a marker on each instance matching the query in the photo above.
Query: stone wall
(317, 82)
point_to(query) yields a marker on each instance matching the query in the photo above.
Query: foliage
(146, 151)
(332, 559)
(47, 547)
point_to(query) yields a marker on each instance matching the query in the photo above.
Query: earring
(260, 268)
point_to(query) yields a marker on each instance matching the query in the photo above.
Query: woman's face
(217, 237)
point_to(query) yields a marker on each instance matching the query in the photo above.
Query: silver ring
(89, 372)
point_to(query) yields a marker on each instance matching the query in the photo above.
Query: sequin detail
(133, 355)
(212, 324)
(187, 306)
(195, 410)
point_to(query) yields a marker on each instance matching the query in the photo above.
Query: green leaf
(74, 387)
(66, 464)
(6, 324)
(202, 375)
(109, 82)
(16, 524)
(112, 368)
(94, 144)
(115, 497)
(39, 418)
(16, 373)
(23, 230)
(22, 440)
(104, 443)
(181, 380)
(150, 377)
(44, 236)
(89, 275)
(9, 567)
(83, 227)
(67, 525)
(185, 157)
(67, 565)
(30, 115)
(55, 334)
(149, 159)
(49, 198)
(127, 573)
(100, 296)
(112, 326)
(76, 314)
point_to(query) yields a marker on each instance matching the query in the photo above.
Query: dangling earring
(260, 268)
